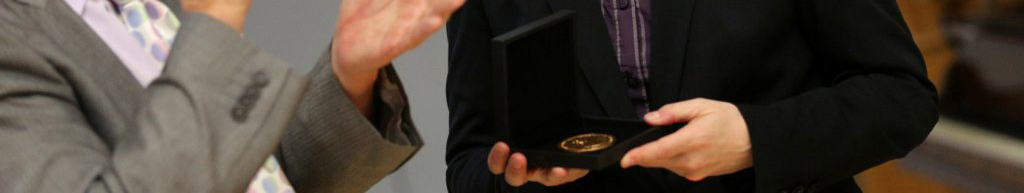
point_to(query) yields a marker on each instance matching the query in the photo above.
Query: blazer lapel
(596, 56)
(670, 28)
(76, 40)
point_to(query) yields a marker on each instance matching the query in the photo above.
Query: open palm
(370, 33)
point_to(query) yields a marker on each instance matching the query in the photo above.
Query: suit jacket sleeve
(212, 118)
(205, 125)
(331, 147)
(879, 107)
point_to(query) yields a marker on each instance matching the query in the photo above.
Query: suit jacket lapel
(175, 7)
(76, 40)
(596, 56)
(670, 28)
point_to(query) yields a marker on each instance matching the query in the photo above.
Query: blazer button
(260, 79)
(247, 100)
(252, 91)
(632, 82)
(238, 113)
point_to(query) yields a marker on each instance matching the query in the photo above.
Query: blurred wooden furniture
(956, 157)
(985, 86)
(970, 158)
(893, 177)
(924, 17)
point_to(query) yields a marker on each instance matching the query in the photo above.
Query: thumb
(646, 155)
(676, 112)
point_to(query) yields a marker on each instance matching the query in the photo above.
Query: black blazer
(828, 88)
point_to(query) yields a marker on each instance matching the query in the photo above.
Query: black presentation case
(535, 99)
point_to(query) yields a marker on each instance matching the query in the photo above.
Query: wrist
(358, 83)
(231, 14)
(233, 18)
(356, 75)
(357, 80)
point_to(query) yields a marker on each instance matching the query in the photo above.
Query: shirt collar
(76, 5)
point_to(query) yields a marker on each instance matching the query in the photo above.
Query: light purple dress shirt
(102, 18)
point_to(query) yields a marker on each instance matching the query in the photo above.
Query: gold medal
(585, 143)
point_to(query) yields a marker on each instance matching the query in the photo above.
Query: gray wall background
(299, 31)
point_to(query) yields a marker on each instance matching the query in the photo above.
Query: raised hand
(371, 33)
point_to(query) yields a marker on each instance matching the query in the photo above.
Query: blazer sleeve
(198, 128)
(879, 106)
(331, 147)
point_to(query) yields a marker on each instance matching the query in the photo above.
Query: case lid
(534, 78)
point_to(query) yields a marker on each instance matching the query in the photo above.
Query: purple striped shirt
(627, 22)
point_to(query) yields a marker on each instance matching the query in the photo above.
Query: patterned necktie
(270, 179)
(151, 23)
(154, 26)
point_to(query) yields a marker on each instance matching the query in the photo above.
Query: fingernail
(563, 172)
(626, 162)
(652, 116)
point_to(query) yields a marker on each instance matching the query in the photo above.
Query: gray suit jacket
(73, 119)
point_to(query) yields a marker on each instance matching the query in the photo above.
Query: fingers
(677, 112)
(498, 157)
(439, 12)
(515, 172)
(544, 175)
(573, 174)
(555, 176)
(648, 155)
(683, 164)
(429, 25)
(549, 176)
(659, 153)
(434, 13)
(432, 24)
(424, 20)
(445, 7)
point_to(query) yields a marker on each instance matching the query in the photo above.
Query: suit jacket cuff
(332, 147)
(392, 122)
(774, 161)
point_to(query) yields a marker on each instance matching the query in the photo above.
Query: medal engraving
(585, 143)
